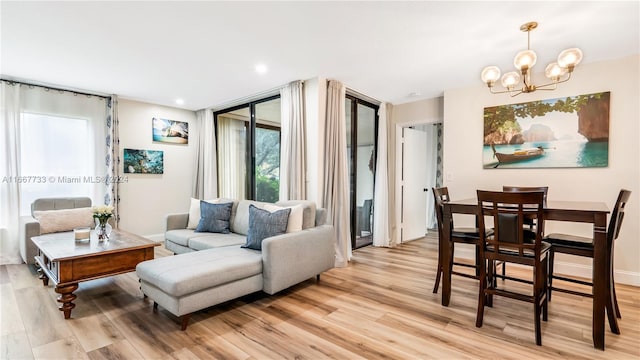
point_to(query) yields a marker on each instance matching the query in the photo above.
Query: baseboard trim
(566, 268)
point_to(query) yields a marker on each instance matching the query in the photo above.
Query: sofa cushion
(308, 213)
(188, 273)
(194, 210)
(264, 224)
(211, 240)
(295, 217)
(240, 223)
(182, 236)
(52, 221)
(214, 217)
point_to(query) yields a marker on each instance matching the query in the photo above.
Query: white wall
(463, 172)
(425, 111)
(146, 199)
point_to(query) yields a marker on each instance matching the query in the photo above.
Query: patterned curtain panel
(112, 158)
(439, 158)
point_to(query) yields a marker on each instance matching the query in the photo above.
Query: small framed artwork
(569, 132)
(170, 131)
(143, 161)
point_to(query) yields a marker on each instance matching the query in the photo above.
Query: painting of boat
(573, 132)
(518, 154)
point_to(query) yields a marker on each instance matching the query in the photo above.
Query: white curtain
(293, 152)
(231, 157)
(381, 220)
(9, 170)
(205, 181)
(336, 172)
(58, 141)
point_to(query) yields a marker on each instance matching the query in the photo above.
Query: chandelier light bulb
(570, 57)
(510, 79)
(554, 71)
(490, 74)
(525, 60)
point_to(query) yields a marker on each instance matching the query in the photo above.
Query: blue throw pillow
(264, 224)
(214, 217)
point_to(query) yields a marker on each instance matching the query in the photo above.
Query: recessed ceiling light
(414, 94)
(179, 101)
(261, 68)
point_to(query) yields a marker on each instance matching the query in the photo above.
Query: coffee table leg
(66, 298)
(43, 277)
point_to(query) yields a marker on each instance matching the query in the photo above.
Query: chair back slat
(544, 189)
(617, 215)
(441, 196)
(508, 211)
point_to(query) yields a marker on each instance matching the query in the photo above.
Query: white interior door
(414, 181)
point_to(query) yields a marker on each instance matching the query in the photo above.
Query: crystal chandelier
(557, 72)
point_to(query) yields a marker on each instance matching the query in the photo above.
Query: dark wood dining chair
(583, 246)
(528, 223)
(464, 235)
(508, 210)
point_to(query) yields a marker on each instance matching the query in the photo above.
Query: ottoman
(185, 283)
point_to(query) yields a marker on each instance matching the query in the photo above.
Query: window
(55, 158)
(248, 138)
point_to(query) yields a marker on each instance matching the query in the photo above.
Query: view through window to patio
(267, 159)
(248, 138)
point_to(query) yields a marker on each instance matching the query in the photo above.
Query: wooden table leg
(600, 280)
(66, 298)
(43, 277)
(445, 250)
(612, 314)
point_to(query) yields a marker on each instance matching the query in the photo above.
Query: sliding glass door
(248, 138)
(267, 151)
(362, 120)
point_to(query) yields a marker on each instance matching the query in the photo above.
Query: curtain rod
(48, 87)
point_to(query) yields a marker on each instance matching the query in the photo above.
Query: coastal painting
(143, 161)
(570, 132)
(170, 131)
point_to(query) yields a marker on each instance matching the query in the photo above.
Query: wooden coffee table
(67, 262)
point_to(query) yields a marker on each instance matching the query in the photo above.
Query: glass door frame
(250, 154)
(353, 178)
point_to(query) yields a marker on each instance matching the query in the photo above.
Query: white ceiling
(205, 52)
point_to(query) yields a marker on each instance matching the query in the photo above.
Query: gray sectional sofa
(211, 268)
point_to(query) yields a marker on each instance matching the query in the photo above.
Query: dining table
(571, 211)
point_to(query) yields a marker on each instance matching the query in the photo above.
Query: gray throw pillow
(264, 224)
(214, 217)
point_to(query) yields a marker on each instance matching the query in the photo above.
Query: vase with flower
(102, 214)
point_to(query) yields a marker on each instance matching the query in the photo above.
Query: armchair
(30, 226)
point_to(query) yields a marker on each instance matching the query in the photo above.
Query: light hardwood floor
(380, 306)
